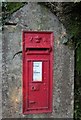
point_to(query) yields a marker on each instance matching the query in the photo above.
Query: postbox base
(37, 112)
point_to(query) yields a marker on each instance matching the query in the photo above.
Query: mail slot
(37, 72)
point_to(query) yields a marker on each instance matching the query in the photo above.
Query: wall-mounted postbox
(37, 72)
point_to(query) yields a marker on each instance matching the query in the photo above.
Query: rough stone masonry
(34, 16)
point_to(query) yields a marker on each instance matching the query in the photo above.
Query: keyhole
(33, 87)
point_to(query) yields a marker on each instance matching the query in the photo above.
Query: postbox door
(38, 94)
(37, 72)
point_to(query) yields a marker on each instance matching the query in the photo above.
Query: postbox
(37, 71)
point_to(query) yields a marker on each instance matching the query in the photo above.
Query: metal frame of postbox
(34, 51)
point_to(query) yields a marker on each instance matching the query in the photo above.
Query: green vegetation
(75, 31)
(9, 7)
(77, 106)
(78, 59)
(12, 7)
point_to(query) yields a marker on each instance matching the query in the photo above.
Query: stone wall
(35, 17)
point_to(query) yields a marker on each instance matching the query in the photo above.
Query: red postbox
(37, 72)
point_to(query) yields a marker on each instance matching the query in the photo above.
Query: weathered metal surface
(37, 71)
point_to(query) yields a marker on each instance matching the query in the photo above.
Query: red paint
(37, 87)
